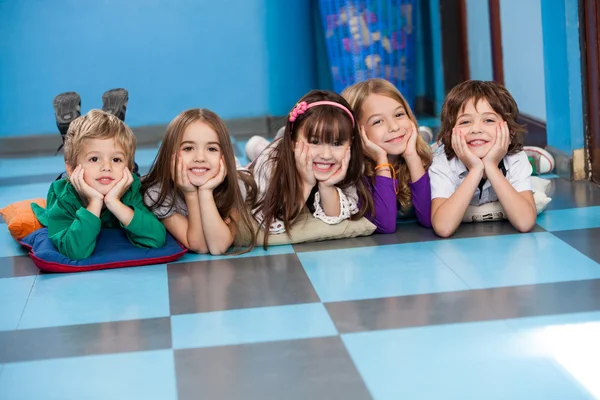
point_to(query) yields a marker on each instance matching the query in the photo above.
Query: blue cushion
(113, 250)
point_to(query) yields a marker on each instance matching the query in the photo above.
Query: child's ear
(69, 169)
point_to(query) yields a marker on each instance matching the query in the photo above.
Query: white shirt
(447, 175)
(263, 168)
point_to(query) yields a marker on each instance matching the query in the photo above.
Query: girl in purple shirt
(398, 158)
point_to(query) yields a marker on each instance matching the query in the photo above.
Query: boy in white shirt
(480, 159)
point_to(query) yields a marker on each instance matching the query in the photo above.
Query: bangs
(479, 93)
(328, 125)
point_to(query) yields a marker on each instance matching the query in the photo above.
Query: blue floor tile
(143, 376)
(251, 325)
(372, 272)
(511, 260)
(555, 320)
(549, 175)
(14, 167)
(13, 296)
(9, 246)
(12, 194)
(570, 340)
(465, 361)
(572, 218)
(99, 296)
(256, 252)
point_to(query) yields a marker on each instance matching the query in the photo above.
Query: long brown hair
(356, 95)
(499, 99)
(228, 196)
(283, 198)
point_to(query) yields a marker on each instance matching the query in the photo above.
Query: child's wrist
(111, 203)
(191, 195)
(205, 193)
(478, 170)
(306, 190)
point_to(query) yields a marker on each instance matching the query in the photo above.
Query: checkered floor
(488, 314)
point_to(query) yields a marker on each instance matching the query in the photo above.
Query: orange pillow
(20, 218)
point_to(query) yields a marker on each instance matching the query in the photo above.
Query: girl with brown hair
(397, 157)
(193, 186)
(316, 165)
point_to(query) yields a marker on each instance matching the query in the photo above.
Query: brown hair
(283, 198)
(356, 95)
(97, 124)
(499, 99)
(228, 195)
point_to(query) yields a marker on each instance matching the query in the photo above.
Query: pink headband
(301, 108)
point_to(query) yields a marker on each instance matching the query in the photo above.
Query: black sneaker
(115, 101)
(67, 107)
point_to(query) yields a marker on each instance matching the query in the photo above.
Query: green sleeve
(72, 233)
(144, 230)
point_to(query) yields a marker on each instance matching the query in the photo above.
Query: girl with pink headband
(317, 163)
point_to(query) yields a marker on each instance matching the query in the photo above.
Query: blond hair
(97, 124)
(356, 95)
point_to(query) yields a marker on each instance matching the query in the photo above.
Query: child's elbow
(386, 227)
(444, 231)
(525, 225)
(158, 242)
(218, 250)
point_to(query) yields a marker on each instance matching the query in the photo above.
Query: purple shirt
(386, 203)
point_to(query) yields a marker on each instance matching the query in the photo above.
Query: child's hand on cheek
(120, 188)
(499, 148)
(213, 183)
(183, 179)
(304, 164)
(411, 146)
(86, 191)
(372, 149)
(340, 174)
(459, 144)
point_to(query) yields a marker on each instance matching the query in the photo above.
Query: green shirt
(73, 229)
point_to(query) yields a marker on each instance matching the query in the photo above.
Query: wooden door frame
(455, 45)
(496, 41)
(590, 18)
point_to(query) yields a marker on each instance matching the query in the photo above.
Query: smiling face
(479, 123)
(327, 158)
(386, 123)
(103, 162)
(200, 151)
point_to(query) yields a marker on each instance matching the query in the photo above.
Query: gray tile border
(315, 369)
(83, 340)
(412, 232)
(236, 283)
(11, 267)
(465, 306)
(587, 241)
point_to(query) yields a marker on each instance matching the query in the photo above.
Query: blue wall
(479, 38)
(522, 52)
(170, 55)
(563, 74)
(542, 62)
(240, 58)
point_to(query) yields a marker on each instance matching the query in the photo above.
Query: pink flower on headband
(299, 109)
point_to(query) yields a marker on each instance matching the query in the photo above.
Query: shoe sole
(115, 101)
(67, 107)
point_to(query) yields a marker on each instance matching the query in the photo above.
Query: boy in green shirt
(100, 191)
